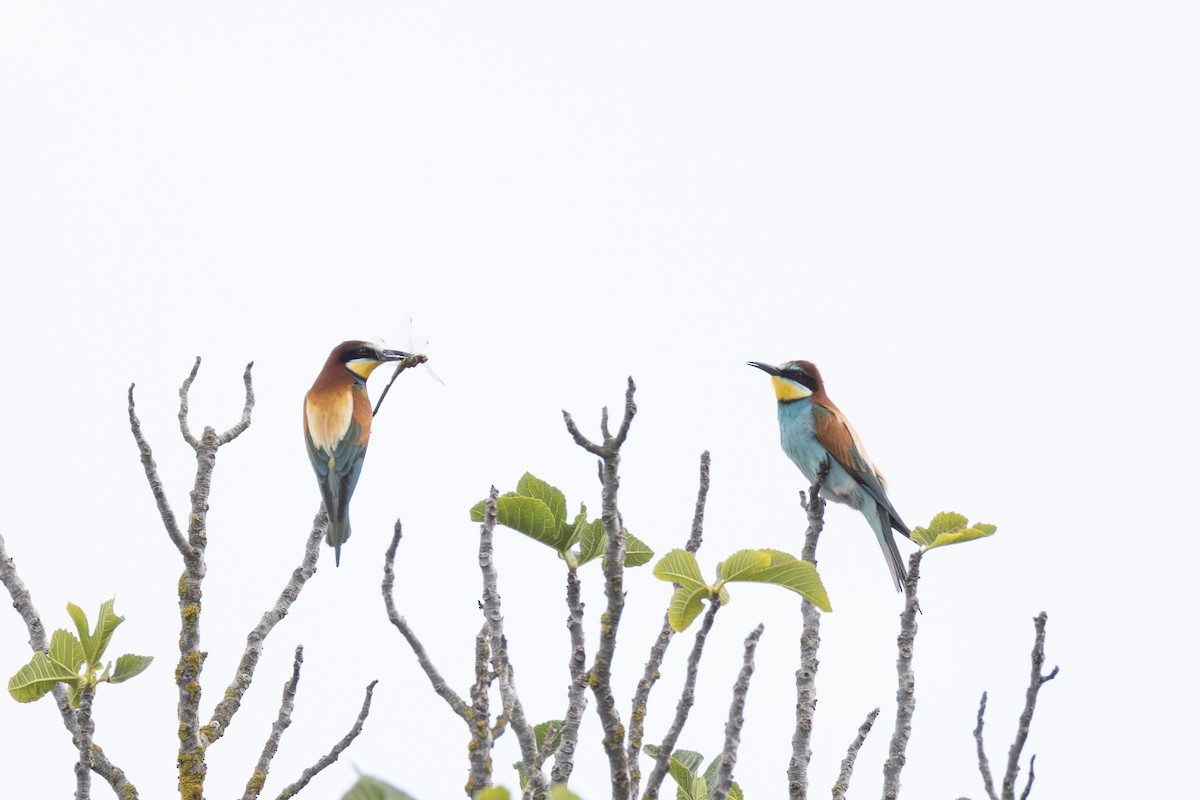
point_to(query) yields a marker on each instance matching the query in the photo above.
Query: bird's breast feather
(328, 417)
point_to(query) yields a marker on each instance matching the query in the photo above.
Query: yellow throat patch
(786, 390)
(362, 367)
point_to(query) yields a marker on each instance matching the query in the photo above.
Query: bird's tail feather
(883, 532)
(337, 532)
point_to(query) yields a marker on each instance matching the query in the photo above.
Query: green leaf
(529, 486)
(743, 564)
(561, 792)
(637, 552)
(493, 793)
(591, 540)
(81, 625)
(578, 524)
(539, 734)
(686, 604)
(529, 516)
(38, 677)
(735, 792)
(368, 788)
(945, 522)
(782, 569)
(129, 665)
(106, 622)
(950, 528)
(679, 566)
(66, 650)
(688, 759)
(699, 788)
(978, 531)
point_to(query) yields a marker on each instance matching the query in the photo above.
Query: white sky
(978, 221)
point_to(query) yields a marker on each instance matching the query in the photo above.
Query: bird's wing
(834, 433)
(338, 473)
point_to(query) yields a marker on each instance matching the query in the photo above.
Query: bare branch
(23, 603)
(476, 716)
(513, 709)
(244, 674)
(156, 485)
(553, 729)
(483, 737)
(984, 769)
(630, 411)
(183, 406)
(337, 750)
(87, 727)
(1036, 679)
(411, 361)
(906, 701)
(843, 782)
(686, 698)
(287, 704)
(240, 427)
(577, 692)
(580, 439)
(810, 642)
(641, 698)
(435, 678)
(697, 535)
(1029, 779)
(600, 675)
(733, 728)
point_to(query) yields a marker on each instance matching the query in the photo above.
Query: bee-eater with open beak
(811, 430)
(337, 424)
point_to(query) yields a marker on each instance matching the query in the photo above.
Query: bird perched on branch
(337, 424)
(811, 430)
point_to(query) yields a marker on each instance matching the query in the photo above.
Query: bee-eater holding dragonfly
(337, 424)
(812, 430)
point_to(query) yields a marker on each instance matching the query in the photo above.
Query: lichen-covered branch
(483, 735)
(984, 769)
(23, 603)
(733, 728)
(906, 700)
(287, 704)
(1036, 679)
(244, 674)
(513, 710)
(564, 757)
(658, 651)
(337, 750)
(843, 781)
(686, 698)
(193, 741)
(87, 727)
(810, 642)
(600, 674)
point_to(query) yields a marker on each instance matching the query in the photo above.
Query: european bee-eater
(337, 424)
(811, 430)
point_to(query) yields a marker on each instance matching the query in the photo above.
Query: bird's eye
(361, 353)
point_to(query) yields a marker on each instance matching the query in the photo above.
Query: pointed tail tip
(337, 554)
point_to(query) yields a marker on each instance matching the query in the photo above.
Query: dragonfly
(414, 347)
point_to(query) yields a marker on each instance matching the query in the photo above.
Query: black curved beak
(767, 368)
(393, 355)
